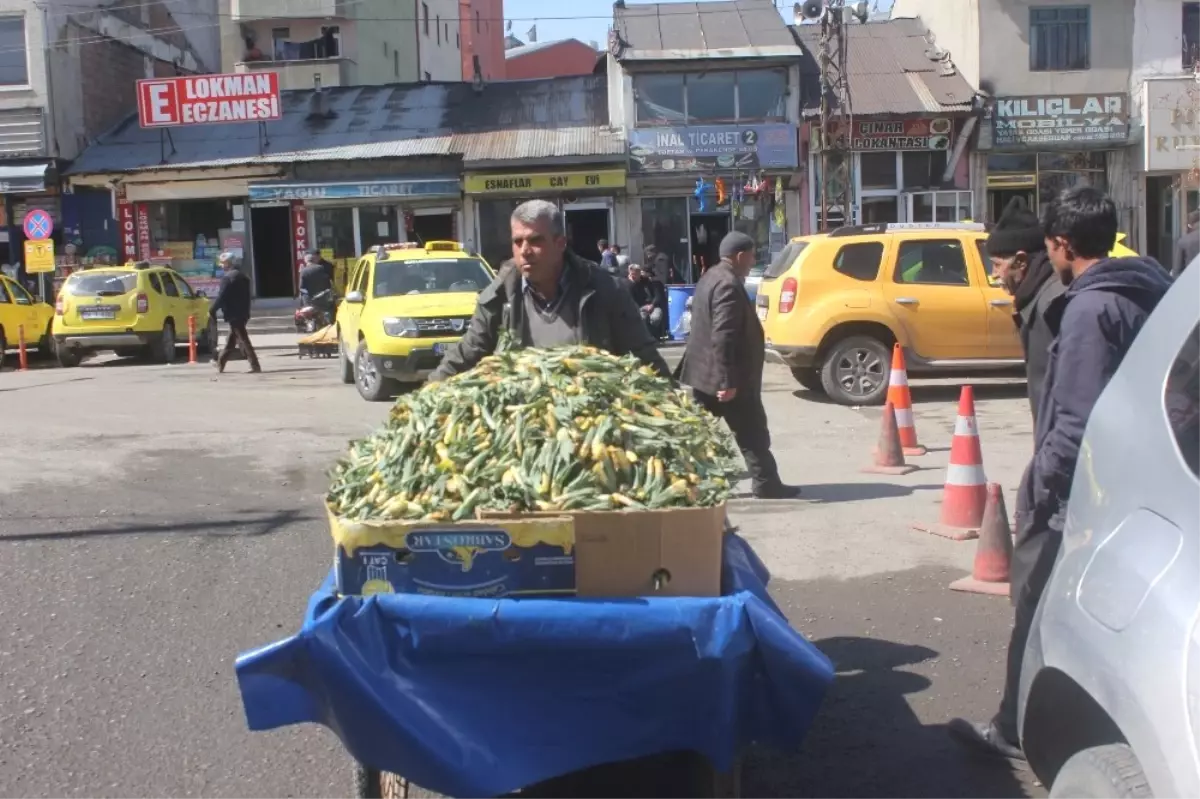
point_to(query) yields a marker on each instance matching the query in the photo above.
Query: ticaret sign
(208, 99)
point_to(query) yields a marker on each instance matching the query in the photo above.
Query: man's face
(536, 250)
(743, 262)
(1060, 256)
(1010, 270)
(635, 274)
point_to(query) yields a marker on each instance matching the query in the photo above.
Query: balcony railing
(249, 10)
(303, 74)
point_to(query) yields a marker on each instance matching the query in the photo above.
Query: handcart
(654, 696)
(321, 344)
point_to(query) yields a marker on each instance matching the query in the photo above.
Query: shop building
(708, 95)
(1057, 77)
(348, 168)
(898, 132)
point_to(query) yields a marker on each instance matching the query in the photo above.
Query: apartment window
(679, 98)
(279, 43)
(446, 31)
(477, 22)
(437, 24)
(1191, 34)
(14, 69)
(396, 62)
(1059, 39)
(457, 43)
(425, 17)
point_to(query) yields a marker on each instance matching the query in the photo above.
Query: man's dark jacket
(1032, 301)
(725, 346)
(316, 278)
(648, 292)
(608, 319)
(1187, 249)
(233, 299)
(1094, 322)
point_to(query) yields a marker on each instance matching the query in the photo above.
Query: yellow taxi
(129, 309)
(19, 310)
(404, 305)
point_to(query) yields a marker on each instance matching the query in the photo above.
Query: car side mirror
(355, 297)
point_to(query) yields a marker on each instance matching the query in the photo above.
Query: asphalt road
(156, 520)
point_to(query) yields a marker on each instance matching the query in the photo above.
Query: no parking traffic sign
(38, 225)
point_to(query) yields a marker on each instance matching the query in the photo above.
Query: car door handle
(906, 300)
(1000, 303)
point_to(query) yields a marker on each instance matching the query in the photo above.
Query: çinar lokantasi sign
(209, 99)
(1060, 119)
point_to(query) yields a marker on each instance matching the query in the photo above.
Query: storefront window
(377, 225)
(761, 94)
(495, 230)
(1011, 162)
(924, 170)
(878, 210)
(334, 228)
(190, 234)
(878, 170)
(1070, 161)
(711, 98)
(1051, 184)
(665, 226)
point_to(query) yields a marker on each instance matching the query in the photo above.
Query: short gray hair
(531, 212)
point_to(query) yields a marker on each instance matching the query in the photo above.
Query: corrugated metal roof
(891, 69)
(550, 118)
(714, 29)
(526, 49)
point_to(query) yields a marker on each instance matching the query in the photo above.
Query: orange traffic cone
(900, 397)
(993, 554)
(965, 493)
(889, 455)
(22, 353)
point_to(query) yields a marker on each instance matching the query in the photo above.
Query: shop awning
(544, 182)
(415, 188)
(23, 178)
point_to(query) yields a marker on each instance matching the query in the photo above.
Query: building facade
(329, 43)
(481, 30)
(1058, 77)
(708, 97)
(550, 59)
(67, 75)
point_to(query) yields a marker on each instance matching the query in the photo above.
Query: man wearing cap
(233, 301)
(1017, 249)
(723, 362)
(315, 277)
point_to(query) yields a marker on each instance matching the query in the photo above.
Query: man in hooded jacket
(1094, 322)
(1017, 250)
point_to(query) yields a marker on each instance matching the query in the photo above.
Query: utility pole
(836, 112)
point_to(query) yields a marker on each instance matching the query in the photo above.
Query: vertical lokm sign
(129, 233)
(209, 99)
(299, 236)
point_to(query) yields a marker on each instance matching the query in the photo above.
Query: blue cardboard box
(532, 556)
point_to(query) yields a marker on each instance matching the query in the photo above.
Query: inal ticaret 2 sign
(209, 99)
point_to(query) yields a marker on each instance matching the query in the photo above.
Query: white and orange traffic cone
(901, 399)
(889, 455)
(993, 553)
(966, 485)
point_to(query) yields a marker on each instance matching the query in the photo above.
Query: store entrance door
(998, 199)
(707, 232)
(585, 227)
(271, 238)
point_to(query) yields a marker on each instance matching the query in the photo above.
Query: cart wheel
(372, 784)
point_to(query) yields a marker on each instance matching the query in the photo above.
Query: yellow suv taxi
(832, 306)
(19, 311)
(404, 304)
(128, 309)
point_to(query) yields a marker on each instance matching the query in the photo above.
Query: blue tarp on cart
(479, 697)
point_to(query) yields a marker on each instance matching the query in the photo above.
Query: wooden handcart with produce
(535, 590)
(320, 344)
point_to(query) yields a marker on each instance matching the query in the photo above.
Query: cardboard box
(671, 552)
(498, 558)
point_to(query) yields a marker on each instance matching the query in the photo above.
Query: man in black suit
(723, 362)
(233, 301)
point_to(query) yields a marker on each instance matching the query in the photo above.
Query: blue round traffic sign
(38, 224)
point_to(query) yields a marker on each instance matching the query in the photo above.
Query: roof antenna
(477, 80)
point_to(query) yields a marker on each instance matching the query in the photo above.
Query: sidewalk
(288, 341)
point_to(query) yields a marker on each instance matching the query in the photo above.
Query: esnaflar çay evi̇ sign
(1067, 119)
(208, 99)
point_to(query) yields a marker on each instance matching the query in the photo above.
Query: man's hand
(726, 394)
(647, 308)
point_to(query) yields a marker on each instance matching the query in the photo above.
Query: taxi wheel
(345, 362)
(166, 344)
(372, 386)
(67, 357)
(855, 371)
(46, 345)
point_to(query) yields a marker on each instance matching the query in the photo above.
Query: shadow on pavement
(44, 385)
(983, 391)
(248, 525)
(850, 492)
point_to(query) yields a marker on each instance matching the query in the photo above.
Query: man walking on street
(723, 362)
(547, 296)
(233, 301)
(1017, 250)
(1187, 249)
(1105, 306)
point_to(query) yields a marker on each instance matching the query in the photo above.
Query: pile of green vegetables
(571, 428)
